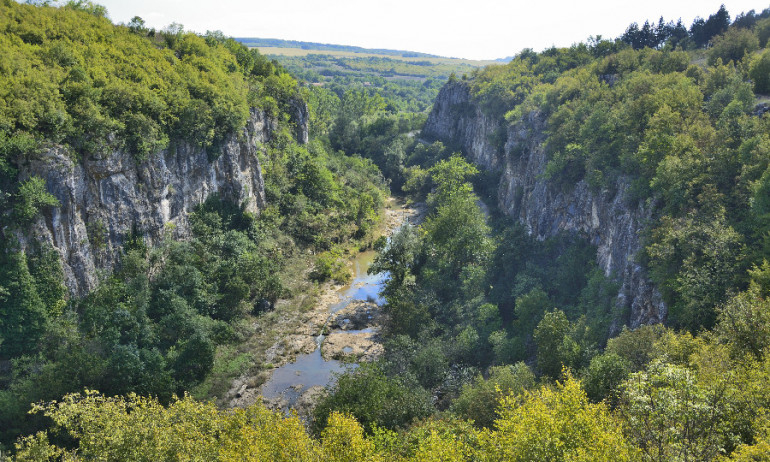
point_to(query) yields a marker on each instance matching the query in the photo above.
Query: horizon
(491, 30)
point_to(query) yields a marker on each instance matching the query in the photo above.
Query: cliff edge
(108, 198)
(605, 217)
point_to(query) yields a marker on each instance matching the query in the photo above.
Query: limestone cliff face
(104, 199)
(604, 217)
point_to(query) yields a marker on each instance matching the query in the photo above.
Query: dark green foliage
(479, 400)
(695, 262)
(23, 315)
(604, 375)
(193, 359)
(558, 346)
(373, 399)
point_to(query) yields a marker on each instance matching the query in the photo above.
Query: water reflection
(308, 370)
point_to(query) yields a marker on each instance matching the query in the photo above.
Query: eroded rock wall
(106, 198)
(605, 217)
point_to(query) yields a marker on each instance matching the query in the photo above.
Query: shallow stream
(308, 370)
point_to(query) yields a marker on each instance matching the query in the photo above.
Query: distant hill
(279, 43)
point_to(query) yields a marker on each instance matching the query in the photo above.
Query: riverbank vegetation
(498, 346)
(479, 310)
(161, 324)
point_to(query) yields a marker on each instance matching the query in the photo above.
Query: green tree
(374, 399)
(759, 72)
(451, 178)
(670, 416)
(744, 321)
(556, 346)
(23, 315)
(32, 196)
(398, 257)
(569, 427)
(479, 400)
(733, 45)
(603, 377)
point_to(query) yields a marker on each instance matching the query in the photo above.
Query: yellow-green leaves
(557, 424)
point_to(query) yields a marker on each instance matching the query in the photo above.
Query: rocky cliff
(104, 199)
(604, 217)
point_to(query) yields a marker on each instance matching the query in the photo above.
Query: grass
(299, 52)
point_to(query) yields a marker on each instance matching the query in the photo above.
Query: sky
(475, 29)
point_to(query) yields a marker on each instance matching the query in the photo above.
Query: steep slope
(105, 199)
(546, 209)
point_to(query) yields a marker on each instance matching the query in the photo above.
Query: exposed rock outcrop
(107, 198)
(604, 217)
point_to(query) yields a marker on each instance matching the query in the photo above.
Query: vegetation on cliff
(69, 78)
(497, 344)
(685, 129)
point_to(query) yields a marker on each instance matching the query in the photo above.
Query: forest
(497, 345)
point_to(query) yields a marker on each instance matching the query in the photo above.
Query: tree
(140, 429)
(450, 178)
(457, 239)
(374, 399)
(637, 346)
(23, 316)
(733, 45)
(759, 71)
(558, 346)
(696, 260)
(603, 377)
(479, 400)
(557, 424)
(744, 320)
(702, 31)
(763, 31)
(670, 416)
(398, 257)
(136, 25)
(32, 196)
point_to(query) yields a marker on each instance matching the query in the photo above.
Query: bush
(373, 399)
(479, 400)
(331, 265)
(760, 73)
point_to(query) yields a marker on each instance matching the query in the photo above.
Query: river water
(308, 370)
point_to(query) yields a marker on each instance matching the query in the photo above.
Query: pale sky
(475, 29)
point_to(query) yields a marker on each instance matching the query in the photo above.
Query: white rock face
(605, 217)
(104, 199)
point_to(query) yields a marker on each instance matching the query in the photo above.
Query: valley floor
(296, 328)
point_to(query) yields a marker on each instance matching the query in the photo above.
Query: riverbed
(342, 330)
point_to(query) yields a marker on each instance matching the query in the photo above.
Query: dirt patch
(397, 214)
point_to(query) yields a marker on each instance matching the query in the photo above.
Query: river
(352, 327)
(291, 380)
